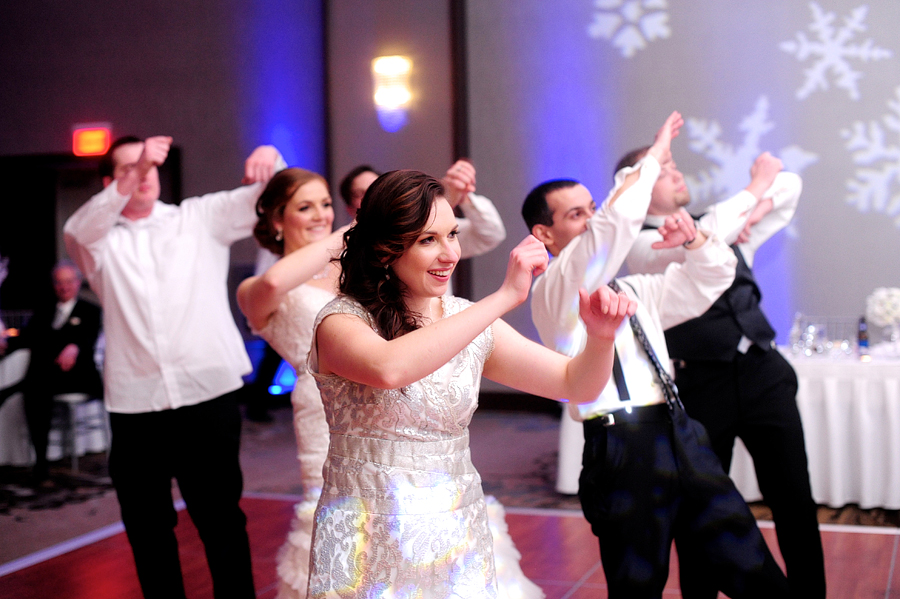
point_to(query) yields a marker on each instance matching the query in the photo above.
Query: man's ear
(543, 233)
(107, 180)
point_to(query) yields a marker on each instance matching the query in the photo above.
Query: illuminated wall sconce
(91, 139)
(392, 93)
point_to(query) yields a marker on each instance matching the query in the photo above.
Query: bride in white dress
(398, 364)
(296, 218)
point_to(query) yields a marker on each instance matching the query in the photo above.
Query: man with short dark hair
(173, 358)
(730, 376)
(648, 475)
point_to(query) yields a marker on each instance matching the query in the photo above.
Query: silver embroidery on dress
(402, 513)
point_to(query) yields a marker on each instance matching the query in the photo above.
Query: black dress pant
(754, 397)
(198, 447)
(648, 482)
(38, 403)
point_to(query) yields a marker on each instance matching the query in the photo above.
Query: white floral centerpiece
(883, 307)
(883, 310)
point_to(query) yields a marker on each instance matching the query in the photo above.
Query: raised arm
(259, 296)
(773, 212)
(263, 162)
(86, 230)
(481, 229)
(686, 290)
(525, 365)
(348, 347)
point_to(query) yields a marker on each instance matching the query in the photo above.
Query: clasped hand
(527, 260)
(604, 310)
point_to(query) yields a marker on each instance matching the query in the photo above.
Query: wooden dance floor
(559, 553)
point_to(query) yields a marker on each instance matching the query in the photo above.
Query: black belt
(654, 413)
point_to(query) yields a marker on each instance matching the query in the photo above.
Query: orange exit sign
(91, 140)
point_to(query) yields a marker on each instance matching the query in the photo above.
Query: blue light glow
(285, 378)
(392, 119)
(282, 69)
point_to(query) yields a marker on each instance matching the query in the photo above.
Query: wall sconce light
(392, 94)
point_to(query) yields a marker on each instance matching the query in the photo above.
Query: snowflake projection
(630, 24)
(732, 164)
(878, 163)
(832, 51)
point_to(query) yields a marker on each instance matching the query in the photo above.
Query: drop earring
(279, 235)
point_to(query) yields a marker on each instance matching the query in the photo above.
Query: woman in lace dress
(398, 365)
(295, 220)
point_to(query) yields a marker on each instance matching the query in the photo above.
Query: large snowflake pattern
(732, 163)
(630, 24)
(878, 161)
(832, 51)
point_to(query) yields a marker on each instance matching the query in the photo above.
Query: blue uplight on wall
(281, 66)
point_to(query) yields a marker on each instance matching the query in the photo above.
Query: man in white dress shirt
(730, 377)
(173, 357)
(649, 475)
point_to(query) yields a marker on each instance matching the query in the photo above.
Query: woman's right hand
(604, 310)
(526, 261)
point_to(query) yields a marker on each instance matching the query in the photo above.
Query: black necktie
(670, 391)
(744, 299)
(619, 376)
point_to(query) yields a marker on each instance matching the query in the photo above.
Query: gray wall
(361, 31)
(564, 93)
(219, 77)
(551, 93)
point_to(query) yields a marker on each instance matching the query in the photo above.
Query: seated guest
(61, 336)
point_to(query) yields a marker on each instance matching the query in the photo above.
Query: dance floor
(559, 553)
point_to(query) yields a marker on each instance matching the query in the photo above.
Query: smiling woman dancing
(398, 365)
(295, 220)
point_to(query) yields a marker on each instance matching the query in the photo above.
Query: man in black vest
(728, 373)
(61, 336)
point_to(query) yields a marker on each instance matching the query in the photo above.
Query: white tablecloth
(851, 421)
(851, 424)
(15, 444)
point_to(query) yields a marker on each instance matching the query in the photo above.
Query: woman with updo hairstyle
(295, 220)
(272, 202)
(399, 364)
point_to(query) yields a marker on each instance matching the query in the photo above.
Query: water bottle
(863, 337)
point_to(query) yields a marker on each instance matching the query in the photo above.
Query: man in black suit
(61, 337)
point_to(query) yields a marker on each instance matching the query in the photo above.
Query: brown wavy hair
(394, 211)
(271, 203)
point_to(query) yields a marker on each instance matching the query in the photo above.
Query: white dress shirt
(162, 280)
(63, 311)
(593, 258)
(726, 219)
(481, 229)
